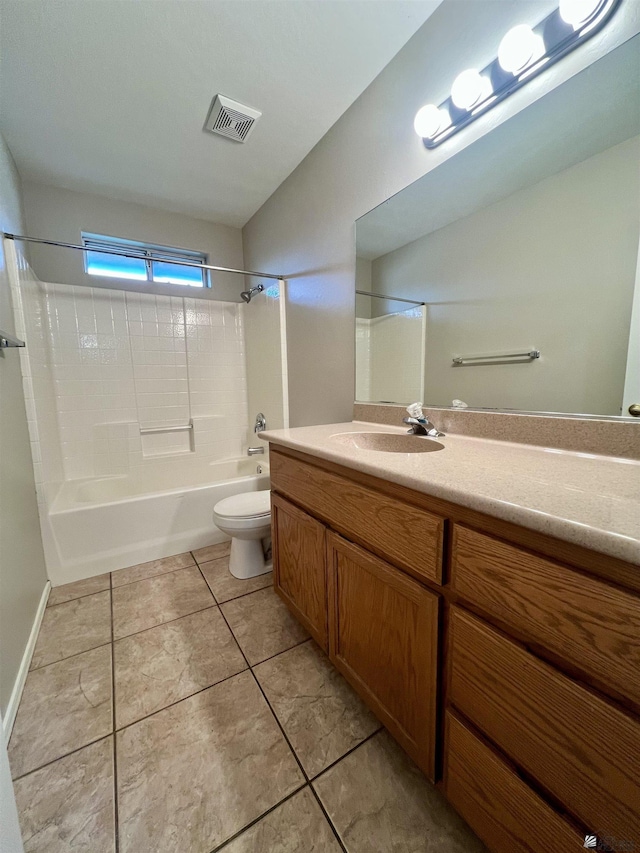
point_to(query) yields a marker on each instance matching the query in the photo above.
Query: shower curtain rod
(24, 239)
(390, 298)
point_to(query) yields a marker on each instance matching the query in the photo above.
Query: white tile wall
(92, 375)
(102, 364)
(158, 353)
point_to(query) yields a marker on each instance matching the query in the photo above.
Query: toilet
(247, 519)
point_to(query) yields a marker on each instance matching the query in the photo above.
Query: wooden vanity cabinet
(505, 662)
(379, 626)
(543, 664)
(383, 637)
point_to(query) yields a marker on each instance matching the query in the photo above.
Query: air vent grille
(231, 119)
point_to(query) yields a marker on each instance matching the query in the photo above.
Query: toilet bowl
(247, 519)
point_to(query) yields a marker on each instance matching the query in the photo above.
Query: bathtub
(109, 523)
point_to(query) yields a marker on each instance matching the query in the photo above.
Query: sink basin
(386, 442)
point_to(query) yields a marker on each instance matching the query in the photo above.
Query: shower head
(246, 295)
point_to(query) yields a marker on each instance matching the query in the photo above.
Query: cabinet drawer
(500, 808)
(578, 746)
(399, 532)
(589, 624)
(299, 566)
(383, 637)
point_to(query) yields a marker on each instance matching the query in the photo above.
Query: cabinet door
(299, 566)
(383, 636)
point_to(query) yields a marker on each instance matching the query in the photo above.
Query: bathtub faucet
(254, 451)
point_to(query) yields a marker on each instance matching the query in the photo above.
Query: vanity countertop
(590, 500)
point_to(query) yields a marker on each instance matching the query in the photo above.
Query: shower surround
(101, 366)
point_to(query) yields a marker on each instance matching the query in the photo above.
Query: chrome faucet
(422, 427)
(259, 426)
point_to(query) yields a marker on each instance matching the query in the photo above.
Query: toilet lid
(246, 505)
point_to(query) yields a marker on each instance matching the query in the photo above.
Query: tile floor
(171, 708)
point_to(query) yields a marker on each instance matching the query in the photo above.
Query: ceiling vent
(231, 119)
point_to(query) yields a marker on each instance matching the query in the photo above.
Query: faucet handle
(435, 433)
(260, 424)
(422, 427)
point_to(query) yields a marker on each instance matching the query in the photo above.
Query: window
(149, 263)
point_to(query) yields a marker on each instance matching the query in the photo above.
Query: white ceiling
(110, 96)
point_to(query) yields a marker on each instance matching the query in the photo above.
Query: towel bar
(495, 357)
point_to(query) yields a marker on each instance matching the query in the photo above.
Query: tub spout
(255, 451)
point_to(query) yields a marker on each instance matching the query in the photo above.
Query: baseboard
(18, 687)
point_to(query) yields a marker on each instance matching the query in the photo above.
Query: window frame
(149, 252)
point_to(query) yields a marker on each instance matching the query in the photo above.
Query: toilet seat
(246, 505)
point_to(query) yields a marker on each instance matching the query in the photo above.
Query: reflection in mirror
(526, 240)
(389, 332)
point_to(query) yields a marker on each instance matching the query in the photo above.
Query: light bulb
(519, 48)
(430, 120)
(469, 88)
(576, 12)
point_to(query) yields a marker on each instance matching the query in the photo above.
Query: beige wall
(57, 214)
(22, 569)
(551, 266)
(306, 229)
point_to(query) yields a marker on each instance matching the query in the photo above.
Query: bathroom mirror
(520, 254)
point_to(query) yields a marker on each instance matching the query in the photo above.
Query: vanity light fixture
(430, 120)
(578, 12)
(469, 89)
(519, 49)
(523, 52)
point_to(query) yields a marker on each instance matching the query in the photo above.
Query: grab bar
(149, 430)
(9, 341)
(495, 357)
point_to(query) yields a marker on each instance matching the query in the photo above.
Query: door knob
(634, 410)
